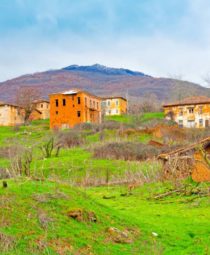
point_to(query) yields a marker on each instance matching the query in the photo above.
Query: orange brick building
(73, 107)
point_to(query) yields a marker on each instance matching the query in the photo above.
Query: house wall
(114, 106)
(42, 111)
(73, 112)
(44, 108)
(183, 115)
(11, 115)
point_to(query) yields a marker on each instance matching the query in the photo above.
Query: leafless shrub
(193, 135)
(25, 98)
(111, 125)
(126, 151)
(70, 139)
(157, 122)
(4, 174)
(8, 151)
(21, 163)
(50, 146)
(6, 242)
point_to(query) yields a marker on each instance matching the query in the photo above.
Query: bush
(126, 151)
(70, 139)
(193, 135)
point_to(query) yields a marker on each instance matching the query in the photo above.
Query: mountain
(97, 68)
(102, 81)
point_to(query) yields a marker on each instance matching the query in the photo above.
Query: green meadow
(34, 209)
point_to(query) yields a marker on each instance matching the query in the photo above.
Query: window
(201, 122)
(78, 100)
(56, 102)
(90, 103)
(78, 114)
(117, 102)
(116, 111)
(94, 104)
(108, 103)
(180, 123)
(191, 110)
(190, 123)
(56, 112)
(97, 105)
(41, 105)
(85, 101)
(64, 102)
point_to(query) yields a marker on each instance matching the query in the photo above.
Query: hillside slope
(102, 81)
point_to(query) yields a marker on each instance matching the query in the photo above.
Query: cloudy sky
(159, 37)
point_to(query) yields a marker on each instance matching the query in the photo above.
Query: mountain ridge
(102, 81)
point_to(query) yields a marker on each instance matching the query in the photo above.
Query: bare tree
(25, 98)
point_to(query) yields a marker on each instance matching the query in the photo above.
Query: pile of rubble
(192, 160)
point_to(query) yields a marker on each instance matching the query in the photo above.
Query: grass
(23, 203)
(129, 119)
(34, 214)
(182, 227)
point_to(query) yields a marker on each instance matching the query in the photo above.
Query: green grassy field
(141, 118)
(34, 210)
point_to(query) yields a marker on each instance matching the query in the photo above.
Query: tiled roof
(190, 101)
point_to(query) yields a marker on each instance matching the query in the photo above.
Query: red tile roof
(190, 101)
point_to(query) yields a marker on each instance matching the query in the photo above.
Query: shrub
(69, 139)
(126, 151)
(193, 135)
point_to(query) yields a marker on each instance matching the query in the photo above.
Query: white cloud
(156, 54)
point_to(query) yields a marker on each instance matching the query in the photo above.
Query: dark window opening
(78, 114)
(56, 112)
(78, 100)
(64, 102)
(56, 102)
(86, 101)
(41, 105)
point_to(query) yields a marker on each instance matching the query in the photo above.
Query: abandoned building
(11, 115)
(192, 112)
(42, 110)
(114, 105)
(191, 160)
(73, 107)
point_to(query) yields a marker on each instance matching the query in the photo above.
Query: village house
(192, 112)
(11, 115)
(42, 110)
(114, 105)
(73, 107)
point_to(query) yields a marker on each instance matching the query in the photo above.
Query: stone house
(192, 112)
(114, 105)
(11, 115)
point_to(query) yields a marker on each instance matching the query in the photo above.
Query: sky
(162, 38)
